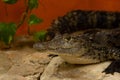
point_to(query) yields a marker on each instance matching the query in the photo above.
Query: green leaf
(40, 36)
(34, 20)
(32, 4)
(7, 32)
(10, 1)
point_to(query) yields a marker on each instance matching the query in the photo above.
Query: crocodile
(84, 37)
(87, 47)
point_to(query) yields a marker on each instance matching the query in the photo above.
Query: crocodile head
(68, 43)
(60, 44)
(72, 48)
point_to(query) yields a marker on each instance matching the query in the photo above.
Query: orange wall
(51, 9)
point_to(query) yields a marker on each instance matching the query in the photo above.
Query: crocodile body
(77, 20)
(85, 37)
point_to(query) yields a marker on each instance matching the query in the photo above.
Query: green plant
(10, 1)
(33, 19)
(40, 36)
(8, 30)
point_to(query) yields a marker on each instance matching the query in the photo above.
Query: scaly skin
(91, 46)
(78, 20)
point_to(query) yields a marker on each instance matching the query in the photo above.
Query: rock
(51, 69)
(25, 69)
(33, 77)
(30, 66)
(5, 63)
(11, 77)
(116, 76)
(59, 70)
(37, 58)
(24, 64)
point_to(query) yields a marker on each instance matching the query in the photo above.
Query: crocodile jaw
(79, 60)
